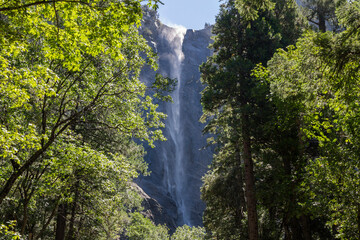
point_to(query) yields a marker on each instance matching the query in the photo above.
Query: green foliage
(72, 105)
(142, 228)
(237, 107)
(250, 9)
(188, 233)
(222, 190)
(304, 104)
(42, 75)
(318, 79)
(320, 13)
(7, 231)
(162, 86)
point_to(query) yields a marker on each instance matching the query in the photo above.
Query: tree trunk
(47, 223)
(240, 182)
(306, 227)
(61, 222)
(25, 218)
(16, 174)
(358, 220)
(71, 234)
(322, 23)
(249, 181)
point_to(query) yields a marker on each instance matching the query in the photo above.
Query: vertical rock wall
(178, 164)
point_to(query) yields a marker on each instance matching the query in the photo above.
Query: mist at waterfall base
(178, 164)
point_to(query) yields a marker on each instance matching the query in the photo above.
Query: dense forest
(281, 102)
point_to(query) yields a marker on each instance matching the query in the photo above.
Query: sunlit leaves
(142, 228)
(7, 231)
(71, 29)
(71, 106)
(188, 233)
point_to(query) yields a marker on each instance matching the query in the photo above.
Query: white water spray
(174, 175)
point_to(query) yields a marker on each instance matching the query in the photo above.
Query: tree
(235, 104)
(289, 150)
(320, 13)
(319, 75)
(72, 105)
(250, 9)
(142, 228)
(188, 233)
(43, 74)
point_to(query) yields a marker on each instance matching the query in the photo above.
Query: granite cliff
(178, 164)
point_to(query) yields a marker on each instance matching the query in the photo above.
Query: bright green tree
(70, 59)
(188, 233)
(72, 105)
(143, 229)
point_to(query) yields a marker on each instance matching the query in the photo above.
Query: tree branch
(3, 9)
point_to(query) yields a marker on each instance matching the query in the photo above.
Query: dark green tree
(237, 109)
(320, 13)
(320, 76)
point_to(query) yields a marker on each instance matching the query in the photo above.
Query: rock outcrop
(153, 210)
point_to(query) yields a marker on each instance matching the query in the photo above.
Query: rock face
(153, 210)
(178, 164)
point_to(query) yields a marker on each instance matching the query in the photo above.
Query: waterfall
(177, 165)
(174, 165)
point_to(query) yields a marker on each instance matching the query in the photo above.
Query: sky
(192, 14)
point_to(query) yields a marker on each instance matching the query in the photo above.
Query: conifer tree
(236, 107)
(320, 13)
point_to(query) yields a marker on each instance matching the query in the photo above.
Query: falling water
(174, 168)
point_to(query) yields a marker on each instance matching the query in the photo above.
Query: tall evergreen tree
(318, 79)
(320, 13)
(236, 106)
